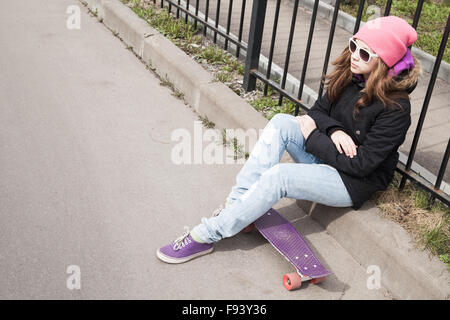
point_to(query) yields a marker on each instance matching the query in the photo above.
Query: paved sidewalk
(434, 136)
(86, 178)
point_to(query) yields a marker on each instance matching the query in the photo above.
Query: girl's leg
(260, 184)
(314, 182)
(281, 133)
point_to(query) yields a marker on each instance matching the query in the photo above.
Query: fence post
(254, 42)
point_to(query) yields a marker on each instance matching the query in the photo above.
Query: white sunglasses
(363, 53)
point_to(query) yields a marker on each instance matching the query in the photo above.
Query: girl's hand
(341, 139)
(307, 125)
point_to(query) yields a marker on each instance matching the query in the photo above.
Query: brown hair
(380, 85)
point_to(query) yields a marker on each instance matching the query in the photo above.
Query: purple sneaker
(183, 249)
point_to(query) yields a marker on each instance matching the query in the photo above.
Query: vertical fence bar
(217, 20)
(254, 43)
(359, 16)
(241, 27)
(272, 44)
(444, 163)
(440, 175)
(423, 112)
(330, 43)
(387, 10)
(187, 9)
(206, 17)
(288, 52)
(416, 17)
(230, 9)
(417, 14)
(306, 59)
(196, 13)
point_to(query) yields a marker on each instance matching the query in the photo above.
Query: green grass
(165, 82)
(186, 36)
(177, 30)
(206, 122)
(269, 107)
(445, 259)
(215, 55)
(435, 238)
(431, 24)
(171, 27)
(224, 76)
(238, 149)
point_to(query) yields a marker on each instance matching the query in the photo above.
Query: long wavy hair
(380, 85)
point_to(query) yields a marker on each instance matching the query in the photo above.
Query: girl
(345, 148)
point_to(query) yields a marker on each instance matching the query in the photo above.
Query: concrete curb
(375, 241)
(213, 99)
(372, 240)
(309, 96)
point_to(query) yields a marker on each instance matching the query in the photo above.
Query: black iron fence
(252, 56)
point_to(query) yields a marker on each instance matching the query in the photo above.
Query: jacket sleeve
(386, 134)
(320, 111)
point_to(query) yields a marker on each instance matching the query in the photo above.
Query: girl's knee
(285, 121)
(282, 118)
(273, 176)
(273, 180)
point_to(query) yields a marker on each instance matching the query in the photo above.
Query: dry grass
(430, 228)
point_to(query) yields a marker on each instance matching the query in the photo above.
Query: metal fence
(253, 50)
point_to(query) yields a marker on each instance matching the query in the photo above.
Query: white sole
(168, 259)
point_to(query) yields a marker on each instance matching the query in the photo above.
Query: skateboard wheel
(292, 281)
(248, 228)
(318, 280)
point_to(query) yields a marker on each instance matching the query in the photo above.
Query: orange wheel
(249, 228)
(292, 281)
(317, 280)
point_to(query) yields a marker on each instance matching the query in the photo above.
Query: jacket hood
(406, 79)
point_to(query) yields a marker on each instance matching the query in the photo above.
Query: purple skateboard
(286, 239)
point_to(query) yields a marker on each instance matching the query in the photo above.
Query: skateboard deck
(286, 239)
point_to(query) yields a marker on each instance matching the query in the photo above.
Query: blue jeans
(263, 181)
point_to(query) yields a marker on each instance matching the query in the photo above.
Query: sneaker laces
(217, 211)
(182, 241)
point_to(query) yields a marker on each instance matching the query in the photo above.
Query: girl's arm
(386, 134)
(320, 111)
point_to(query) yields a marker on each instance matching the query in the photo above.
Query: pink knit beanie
(388, 37)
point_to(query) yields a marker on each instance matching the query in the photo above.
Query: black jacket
(378, 133)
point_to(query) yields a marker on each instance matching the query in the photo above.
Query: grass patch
(238, 149)
(225, 67)
(206, 122)
(430, 227)
(161, 20)
(165, 82)
(268, 105)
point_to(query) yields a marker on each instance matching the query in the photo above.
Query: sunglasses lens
(364, 55)
(352, 46)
